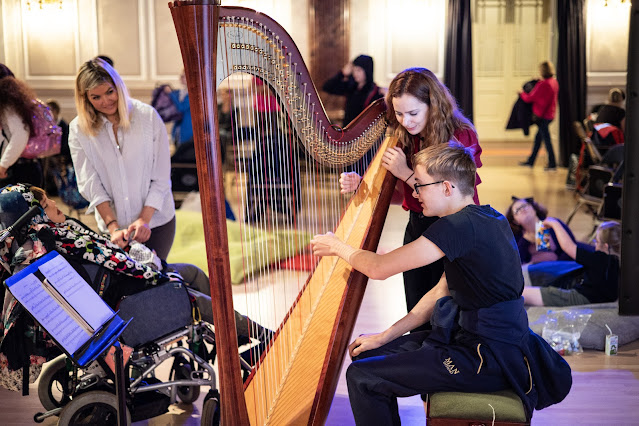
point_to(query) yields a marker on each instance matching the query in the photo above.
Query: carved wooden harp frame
(197, 24)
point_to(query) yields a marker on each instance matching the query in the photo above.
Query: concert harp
(286, 160)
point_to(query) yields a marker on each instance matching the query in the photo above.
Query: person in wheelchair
(81, 246)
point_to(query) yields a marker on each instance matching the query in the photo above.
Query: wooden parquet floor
(605, 388)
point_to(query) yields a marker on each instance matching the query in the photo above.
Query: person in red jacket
(544, 104)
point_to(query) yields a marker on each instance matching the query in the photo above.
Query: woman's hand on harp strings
(349, 182)
(366, 342)
(394, 160)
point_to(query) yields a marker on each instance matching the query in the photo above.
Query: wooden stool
(472, 409)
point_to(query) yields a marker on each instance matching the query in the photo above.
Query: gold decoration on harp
(281, 75)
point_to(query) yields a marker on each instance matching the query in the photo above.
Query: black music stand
(72, 313)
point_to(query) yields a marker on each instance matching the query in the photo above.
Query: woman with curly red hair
(16, 109)
(421, 113)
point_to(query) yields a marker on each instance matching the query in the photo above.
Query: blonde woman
(120, 151)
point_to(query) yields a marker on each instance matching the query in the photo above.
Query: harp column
(198, 40)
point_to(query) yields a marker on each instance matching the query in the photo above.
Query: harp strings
(280, 187)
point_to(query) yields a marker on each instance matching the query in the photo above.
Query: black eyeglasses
(521, 208)
(419, 185)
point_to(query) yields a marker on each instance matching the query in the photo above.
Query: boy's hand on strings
(394, 160)
(366, 342)
(325, 244)
(349, 182)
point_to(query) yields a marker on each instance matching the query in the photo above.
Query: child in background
(600, 281)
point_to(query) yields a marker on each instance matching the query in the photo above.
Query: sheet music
(32, 295)
(80, 300)
(76, 291)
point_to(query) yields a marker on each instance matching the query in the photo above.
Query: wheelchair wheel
(211, 409)
(96, 408)
(187, 394)
(54, 385)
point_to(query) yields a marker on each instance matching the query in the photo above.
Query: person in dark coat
(521, 115)
(355, 81)
(613, 112)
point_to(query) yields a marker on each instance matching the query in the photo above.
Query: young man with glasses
(480, 340)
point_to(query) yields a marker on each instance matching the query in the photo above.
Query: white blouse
(134, 174)
(17, 137)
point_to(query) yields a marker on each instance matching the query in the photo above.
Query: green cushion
(260, 249)
(462, 405)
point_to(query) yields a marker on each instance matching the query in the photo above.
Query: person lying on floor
(480, 341)
(601, 265)
(52, 230)
(541, 266)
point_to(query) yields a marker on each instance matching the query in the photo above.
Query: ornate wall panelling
(416, 35)
(606, 47)
(329, 29)
(11, 35)
(122, 31)
(50, 44)
(46, 47)
(399, 34)
(164, 50)
(510, 39)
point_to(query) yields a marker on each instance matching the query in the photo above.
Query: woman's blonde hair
(450, 161)
(90, 75)
(443, 119)
(610, 233)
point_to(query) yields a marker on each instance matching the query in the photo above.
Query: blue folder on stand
(66, 306)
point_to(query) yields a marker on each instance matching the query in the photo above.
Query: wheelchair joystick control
(22, 220)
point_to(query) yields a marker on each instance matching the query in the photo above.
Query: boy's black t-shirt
(481, 258)
(601, 274)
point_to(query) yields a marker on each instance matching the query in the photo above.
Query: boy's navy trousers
(411, 365)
